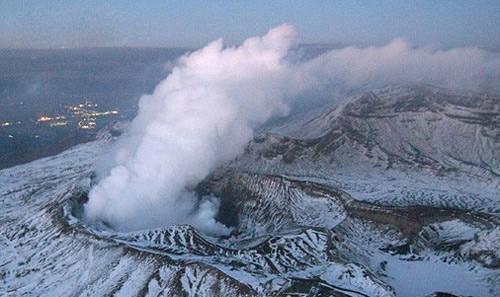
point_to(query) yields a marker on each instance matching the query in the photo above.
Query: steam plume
(400, 62)
(202, 114)
(205, 111)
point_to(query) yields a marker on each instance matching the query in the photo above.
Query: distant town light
(44, 119)
(86, 125)
(85, 114)
(58, 124)
(47, 118)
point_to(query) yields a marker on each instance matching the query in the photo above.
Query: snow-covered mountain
(392, 193)
(400, 145)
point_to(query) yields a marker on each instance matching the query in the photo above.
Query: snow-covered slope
(400, 145)
(340, 205)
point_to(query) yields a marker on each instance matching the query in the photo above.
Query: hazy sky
(69, 23)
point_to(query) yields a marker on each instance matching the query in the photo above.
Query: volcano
(393, 192)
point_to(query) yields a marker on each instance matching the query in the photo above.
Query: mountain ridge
(317, 216)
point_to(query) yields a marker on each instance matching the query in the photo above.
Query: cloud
(206, 110)
(200, 116)
(400, 62)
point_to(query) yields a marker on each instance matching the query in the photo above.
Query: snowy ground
(305, 225)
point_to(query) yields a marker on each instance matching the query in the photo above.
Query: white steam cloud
(399, 62)
(202, 114)
(205, 111)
